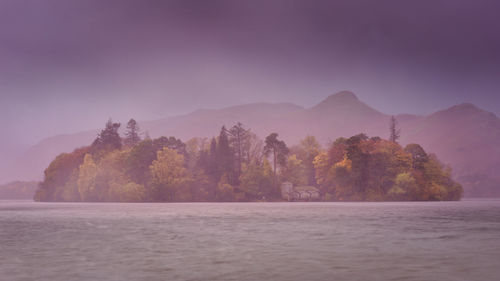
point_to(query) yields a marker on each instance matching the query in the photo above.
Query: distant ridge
(464, 136)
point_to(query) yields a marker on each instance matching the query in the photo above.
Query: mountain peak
(342, 96)
(464, 108)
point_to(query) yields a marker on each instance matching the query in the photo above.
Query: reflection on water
(250, 241)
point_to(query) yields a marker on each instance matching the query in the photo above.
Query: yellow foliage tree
(87, 173)
(128, 192)
(169, 177)
(294, 171)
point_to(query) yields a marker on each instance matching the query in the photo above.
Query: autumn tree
(306, 151)
(58, 174)
(418, 155)
(87, 179)
(294, 171)
(111, 177)
(169, 177)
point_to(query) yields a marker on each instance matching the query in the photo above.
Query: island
(237, 166)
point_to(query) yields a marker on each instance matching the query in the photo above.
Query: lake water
(250, 241)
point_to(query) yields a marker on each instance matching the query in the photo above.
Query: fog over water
(250, 241)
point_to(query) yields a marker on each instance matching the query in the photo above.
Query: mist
(68, 67)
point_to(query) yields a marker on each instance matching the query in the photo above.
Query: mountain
(463, 136)
(208, 122)
(467, 138)
(339, 115)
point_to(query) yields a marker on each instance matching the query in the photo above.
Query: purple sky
(67, 66)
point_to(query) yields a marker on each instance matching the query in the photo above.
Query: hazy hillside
(464, 136)
(31, 164)
(208, 122)
(18, 190)
(339, 115)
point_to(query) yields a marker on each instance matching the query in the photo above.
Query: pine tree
(132, 135)
(225, 155)
(394, 131)
(239, 139)
(108, 138)
(278, 149)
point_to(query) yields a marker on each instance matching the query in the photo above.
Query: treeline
(238, 166)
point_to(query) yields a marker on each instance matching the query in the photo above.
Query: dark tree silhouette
(278, 149)
(108, 138)
(132, 135)
(224, 155)
(395, 133)
(239, 139)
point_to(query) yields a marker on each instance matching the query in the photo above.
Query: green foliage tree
(138, 161)
(224, 157)
(132, 134)
(277, 149)
(306, 151)
(126, 192)
(239, 139)
(294, 171)
(225, 191)
(405, 187)
(256, 180)
(357, 152)
(108, 139)
(395, 133)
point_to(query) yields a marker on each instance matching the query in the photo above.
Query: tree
(404, 188)
(169, 177)
(358, 153)
(225, 157)
(306, 151)
(418, 155)
(256, 180)
(255, 149)
(225, 191)
(278, 150)
(108, 138)
(111, 171)
(87, 179)
(395, 133)
(128, 192)
(294, 171)
(239, 139)
(138, 161)
(60, 171)
(132, 135)
(172, 143)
